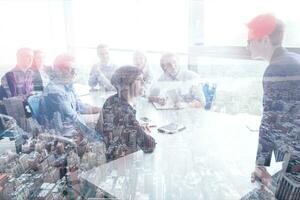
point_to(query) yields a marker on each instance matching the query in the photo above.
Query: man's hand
(160, 100)
(146, 128)
(195, 104)
(261, 174)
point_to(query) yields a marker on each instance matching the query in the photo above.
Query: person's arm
(37, 81)
(265, 141)
(144, 140)
(104, 81)
(107, 119)
(159, 100)
(9, 84)
(84, 108)
(66, 109)
(263, 155)
(195, 97)
(93, 80)
(154, 96)
(6, 91)
(272, 90)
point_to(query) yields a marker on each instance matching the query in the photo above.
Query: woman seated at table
(122, 132)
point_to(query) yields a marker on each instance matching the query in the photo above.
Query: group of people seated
(29, 74)
(60, 108)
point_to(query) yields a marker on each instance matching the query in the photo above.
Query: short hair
(266, 25)
(124, 76)
(22, 50)
(62, 61)
(166, 56)
(276, 37)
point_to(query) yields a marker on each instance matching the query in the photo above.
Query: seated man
(173, 73)
(140, 61)
(18, 81)
(41, 72)
(122, 132)
(101, 72)
(62, 105)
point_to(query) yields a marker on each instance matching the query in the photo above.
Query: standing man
(102, 71)
(18, 81)
(279, 129)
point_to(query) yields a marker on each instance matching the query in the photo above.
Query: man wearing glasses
(61, 102)
(279, 129)
(172, 73)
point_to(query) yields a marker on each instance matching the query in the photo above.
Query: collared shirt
(182, 75)
(122, 132)
(41, 77)
(280, 123)
(17, 82)
(37, 80)
(147, 75)
(101, 74)
(61, 98)
(194, 92)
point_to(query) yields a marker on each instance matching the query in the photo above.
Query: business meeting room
(149, 100)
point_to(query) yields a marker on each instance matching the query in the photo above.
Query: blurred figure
(102, 71)
(279, 129)
(169, 63)
(18, 81)
(62, 105)
(140, 61)
(122, 132)
(41, 72)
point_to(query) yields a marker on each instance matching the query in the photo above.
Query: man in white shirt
(102, 71)
(173, 73)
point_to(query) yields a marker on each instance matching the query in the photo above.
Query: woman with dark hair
(122, 132)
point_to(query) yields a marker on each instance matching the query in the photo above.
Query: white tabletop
(95, 97)
(211, 159)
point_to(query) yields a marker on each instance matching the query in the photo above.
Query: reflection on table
(211, 159)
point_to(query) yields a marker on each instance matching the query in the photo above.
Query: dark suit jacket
(279, 128)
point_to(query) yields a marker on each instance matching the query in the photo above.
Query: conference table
(211, 159)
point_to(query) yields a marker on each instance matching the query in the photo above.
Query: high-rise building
(288, 188)
(14, 107)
